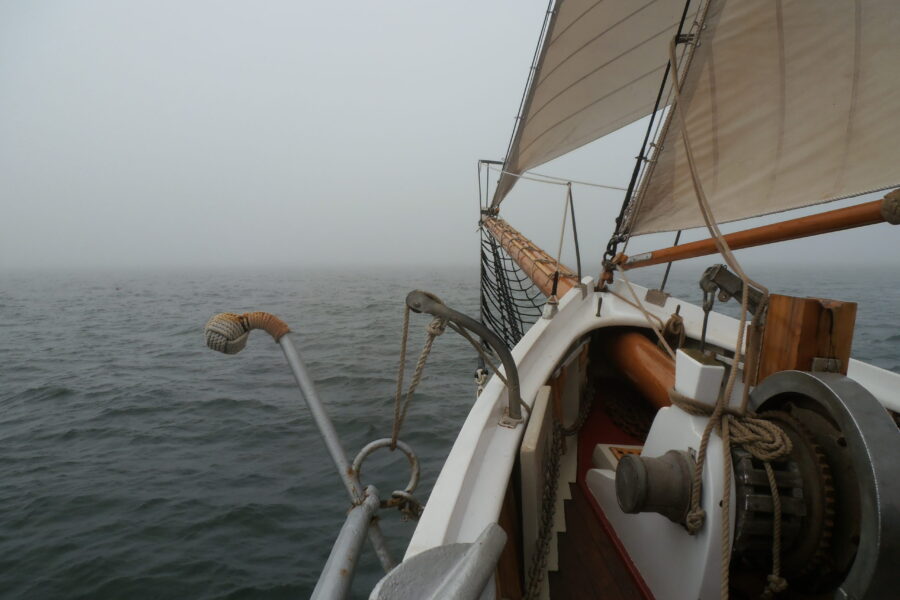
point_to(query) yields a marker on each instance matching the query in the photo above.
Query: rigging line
(662, 285)
(717, 417)
(647, 315)
(539, 51)
(610, 249)
(553, 180)
(662, 128)
(575, 234)
(480, 199)
(562, 235)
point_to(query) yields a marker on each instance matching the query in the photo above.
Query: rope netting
(510, 302)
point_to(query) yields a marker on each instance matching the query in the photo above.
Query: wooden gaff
(868, 213)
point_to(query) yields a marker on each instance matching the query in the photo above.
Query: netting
(510, 302)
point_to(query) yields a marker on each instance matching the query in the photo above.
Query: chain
(538, 569)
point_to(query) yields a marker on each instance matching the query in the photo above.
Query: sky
(198, 133)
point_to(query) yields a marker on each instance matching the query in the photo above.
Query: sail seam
(544, 76)
(584, 108)
(527, 95)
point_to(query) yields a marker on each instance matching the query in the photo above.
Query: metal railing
(465, 569)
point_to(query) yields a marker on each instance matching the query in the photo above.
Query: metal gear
(752, 544)
(809, 551)
(859, 442)
(831, 565)
(807, 496)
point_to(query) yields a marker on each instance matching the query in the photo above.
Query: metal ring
(386, 443)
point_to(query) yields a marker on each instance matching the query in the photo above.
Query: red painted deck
(591, 562)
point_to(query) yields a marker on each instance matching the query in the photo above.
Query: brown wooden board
(798, 330)
(589, 565)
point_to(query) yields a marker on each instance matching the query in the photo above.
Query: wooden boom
(540, 267)
(868, 213)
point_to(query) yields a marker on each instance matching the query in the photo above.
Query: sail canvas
(786, 104)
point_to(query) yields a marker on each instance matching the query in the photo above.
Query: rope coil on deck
(228, 332)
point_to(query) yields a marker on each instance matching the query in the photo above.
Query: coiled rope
(764, 440)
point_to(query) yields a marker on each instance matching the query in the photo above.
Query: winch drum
(873, 444)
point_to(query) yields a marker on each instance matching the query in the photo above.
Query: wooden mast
(540, 267)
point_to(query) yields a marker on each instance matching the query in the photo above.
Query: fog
(279, 134)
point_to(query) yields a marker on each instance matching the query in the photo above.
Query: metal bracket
(423, 302)
(551, 307)
(657, 297)
(717, 279)
(827, 365)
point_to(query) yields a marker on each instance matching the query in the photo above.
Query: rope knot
(762, 438)
(775, 585)
(694, 520)
(225, 332)
(436, 327)
(228, 332)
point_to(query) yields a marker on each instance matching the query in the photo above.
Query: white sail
(600, 68)
(787, 103)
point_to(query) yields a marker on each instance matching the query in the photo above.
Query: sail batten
(599, 70)
(786, 104)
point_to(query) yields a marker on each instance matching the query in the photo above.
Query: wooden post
(799, 330)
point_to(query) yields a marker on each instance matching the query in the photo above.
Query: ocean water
(136, 463)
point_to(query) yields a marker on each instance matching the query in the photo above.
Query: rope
(562, 237)
(765, 441)
(228, 332)
(553, 180)
(640, 306)
(434, 329)
(639, 159)
(509, 299)
(478, 348)
(574, 235)
(716, 419)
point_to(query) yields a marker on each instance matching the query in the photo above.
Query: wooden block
(798, 330)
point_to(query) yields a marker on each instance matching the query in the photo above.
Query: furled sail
(787, 103)
(598, 70)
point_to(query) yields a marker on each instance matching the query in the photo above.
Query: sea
(136, 463)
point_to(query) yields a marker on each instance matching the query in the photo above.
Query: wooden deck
(590, 566)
